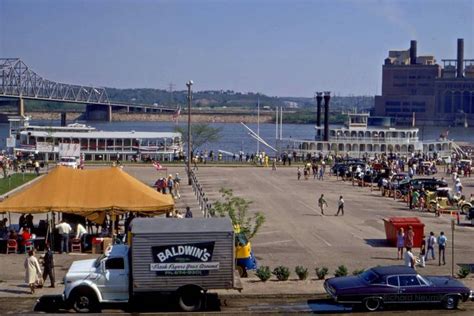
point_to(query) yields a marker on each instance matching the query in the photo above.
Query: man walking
(340, 206)
(64, 230)
(442, 247)
(322, 202)
(48, 264)
(431, 241)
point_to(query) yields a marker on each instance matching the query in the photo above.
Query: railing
(203, 201)
(398, 140)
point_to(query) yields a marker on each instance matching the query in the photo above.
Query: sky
(274, 47)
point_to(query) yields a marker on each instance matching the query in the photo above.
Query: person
(322, 202)
(431, 241)
(21, 221)
(340, 207)
(423, 251)
(29, 222)
(3, 225)
(25, 237)
(298, 172)
(188, 214)
(409, 237)
(409, 258)
(64, 230)
(177, 181)
(37, 167)
(274, 168)
(442, 247)
(400, 243)
(170, 185)
(48, 265)
(81, 233)
(32, 270)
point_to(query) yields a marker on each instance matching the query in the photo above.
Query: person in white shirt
(64, 230)
(409, 258)
(340, 206)
(81, 233)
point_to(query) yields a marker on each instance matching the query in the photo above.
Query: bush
(463, 272)
(263, 273)
(357, 271)
(340, 271)
(282, 273)
(301, 272)
(321, 273)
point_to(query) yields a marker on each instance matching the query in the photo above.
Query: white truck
(185, 257)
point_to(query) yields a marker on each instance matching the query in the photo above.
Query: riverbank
(208, 117)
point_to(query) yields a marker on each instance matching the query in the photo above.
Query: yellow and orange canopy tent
(91, 193)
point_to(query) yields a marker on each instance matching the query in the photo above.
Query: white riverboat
(365, 135)
(48, 141)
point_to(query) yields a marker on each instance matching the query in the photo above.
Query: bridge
(19, 82)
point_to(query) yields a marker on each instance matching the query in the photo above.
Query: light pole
(190, 98)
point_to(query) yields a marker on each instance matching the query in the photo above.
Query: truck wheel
(242, 271)
(84, 301)
(465, 208)
(372, 304)
(190, 299)
(451, 302)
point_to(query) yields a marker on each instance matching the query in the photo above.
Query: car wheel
(432, 207)
(465, 208)
(85, 302)
(373, 304)
(451, 302)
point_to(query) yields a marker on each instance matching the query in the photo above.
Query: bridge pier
(97, 112)
(21, 106)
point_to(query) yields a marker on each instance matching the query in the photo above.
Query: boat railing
(398, 140)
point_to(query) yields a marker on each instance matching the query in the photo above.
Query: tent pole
(9, 218)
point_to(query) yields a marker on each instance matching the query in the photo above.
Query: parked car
(394, 285)
(71, 162)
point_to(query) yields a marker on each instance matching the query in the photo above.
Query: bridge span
(18, 83)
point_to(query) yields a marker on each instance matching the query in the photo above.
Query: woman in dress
(400, 243)
(33, 270)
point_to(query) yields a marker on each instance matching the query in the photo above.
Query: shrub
(301, 272)
(321, 272)
(263, 273)
(357, 271)
(463, 272)
(282, 273)
(340, 271)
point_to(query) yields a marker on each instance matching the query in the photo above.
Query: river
(234, 136)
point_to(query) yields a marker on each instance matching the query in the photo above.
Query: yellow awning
(84, 192)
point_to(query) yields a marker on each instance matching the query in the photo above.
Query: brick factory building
(417, 87)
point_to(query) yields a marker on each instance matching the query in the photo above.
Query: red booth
(393, 224)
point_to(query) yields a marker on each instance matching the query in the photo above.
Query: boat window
(409, 280)
(118, 142)
(126, 142)
(393, 281)
(110, 143)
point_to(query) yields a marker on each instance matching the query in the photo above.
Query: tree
(201, 134)
(237, 210)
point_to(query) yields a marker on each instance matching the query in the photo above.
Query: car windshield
(98, 260)
(369, 276)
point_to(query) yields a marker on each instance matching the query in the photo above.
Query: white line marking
(274, 242)
(322, 239)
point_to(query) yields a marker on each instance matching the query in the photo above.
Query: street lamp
(190, 98)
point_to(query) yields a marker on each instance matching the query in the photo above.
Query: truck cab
(88, 283)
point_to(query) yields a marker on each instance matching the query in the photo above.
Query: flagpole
(258, 124)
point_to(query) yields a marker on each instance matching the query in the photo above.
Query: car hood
(82, 266)
(444, 281)
(343, 283)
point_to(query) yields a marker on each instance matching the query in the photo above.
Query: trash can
(393, 224)
(97, 245)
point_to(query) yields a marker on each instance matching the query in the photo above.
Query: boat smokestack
(460, 59)
(327, 97)
(412, 52)
(319, 101)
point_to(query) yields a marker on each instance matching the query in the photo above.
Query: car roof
(392, 270)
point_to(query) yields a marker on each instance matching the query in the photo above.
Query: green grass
(17, 179)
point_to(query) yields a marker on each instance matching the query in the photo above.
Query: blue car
(395, 285)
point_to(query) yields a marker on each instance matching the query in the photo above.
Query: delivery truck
(183, 257)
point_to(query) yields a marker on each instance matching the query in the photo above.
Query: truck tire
(85, 301)
(465, 208)
(190, 299)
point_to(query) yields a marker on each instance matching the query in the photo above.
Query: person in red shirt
(25, 236)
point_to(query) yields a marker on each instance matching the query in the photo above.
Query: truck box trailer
(186, 257)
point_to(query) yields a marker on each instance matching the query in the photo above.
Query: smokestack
(319, 100)
(327, 97)
(460, 61)
(412, 52)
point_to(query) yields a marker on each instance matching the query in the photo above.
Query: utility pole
(190, 98)
(171, 88)
(258, 124)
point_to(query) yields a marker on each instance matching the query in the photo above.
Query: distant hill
(228, 98)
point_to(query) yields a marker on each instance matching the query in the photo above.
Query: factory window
(466, 98)
(405, 110)
(448, 102)
(457, 102)
(399, 85)
(418, 103)
(413, 91)
(392, 110)
(406, 103)
(392, 103)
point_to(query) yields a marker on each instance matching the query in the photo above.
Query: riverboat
(366, 135)
(48, 142)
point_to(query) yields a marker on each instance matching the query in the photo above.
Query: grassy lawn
(17, 179)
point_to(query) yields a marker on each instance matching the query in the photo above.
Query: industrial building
(417, 88)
